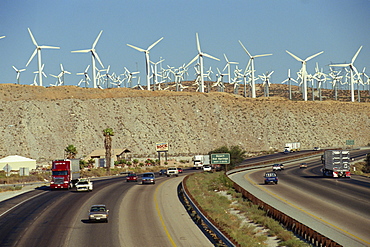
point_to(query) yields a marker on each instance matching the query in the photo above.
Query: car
(131, 177)
(162, 172)
(278, 167)
(271, 177)
(84, 185)
(179, 169)
(303, 165)
(207, 168)
(98, 212)
(172, 171)
(148, 178)
(316, 148)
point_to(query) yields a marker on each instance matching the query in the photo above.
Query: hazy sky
(337, 27)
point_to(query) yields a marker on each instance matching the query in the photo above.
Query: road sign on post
(7, 168)
(220, 159)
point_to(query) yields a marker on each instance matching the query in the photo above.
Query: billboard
(161, 146)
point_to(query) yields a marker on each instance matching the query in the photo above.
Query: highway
(342, 204)
(139, 215)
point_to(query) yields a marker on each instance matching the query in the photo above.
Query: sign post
(350, 142)
(161, 147)
(7, 168)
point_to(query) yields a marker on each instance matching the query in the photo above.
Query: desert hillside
(38, 122)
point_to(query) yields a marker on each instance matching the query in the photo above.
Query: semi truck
(64, 173)
(200, 161)
(292, 147)
(336, 163)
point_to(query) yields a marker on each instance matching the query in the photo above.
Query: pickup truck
(84, 185)
(172, 171)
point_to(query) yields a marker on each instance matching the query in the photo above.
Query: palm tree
(70, 151)
(108, 133)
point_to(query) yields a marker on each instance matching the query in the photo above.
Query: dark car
(179, 169)
(162, 172)
(148, 178)
(271, 178)
(131, 177)
(98, 213)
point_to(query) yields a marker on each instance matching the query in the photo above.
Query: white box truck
(336, 163)
(292, 147)
(200, 161)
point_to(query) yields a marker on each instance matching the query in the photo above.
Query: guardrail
(288, 222)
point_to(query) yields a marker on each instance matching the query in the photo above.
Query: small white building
(16, 162)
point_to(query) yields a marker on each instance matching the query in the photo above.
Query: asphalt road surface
(139, 215)
(342, 203)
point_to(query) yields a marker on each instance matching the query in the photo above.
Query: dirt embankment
(39, 122)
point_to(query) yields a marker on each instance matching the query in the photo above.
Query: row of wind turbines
(248, 77)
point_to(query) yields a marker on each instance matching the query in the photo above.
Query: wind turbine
(304, 71)
(18, 72)
(147, 60)
(86, 75)
(94, 55)
(352, 69)
(289, 79)
(228, 67)
(38, 51)
(62, 73)
(200, 56)
(251, 58)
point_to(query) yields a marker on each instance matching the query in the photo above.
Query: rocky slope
(38, 122)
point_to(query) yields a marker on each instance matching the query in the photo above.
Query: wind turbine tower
(200, 57)
(304, 71)
(147, 60)
(352, 69)
(38, 51)
(94, 55)
(251, 58)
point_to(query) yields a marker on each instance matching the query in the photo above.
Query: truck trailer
(336, 163)
(65, 173)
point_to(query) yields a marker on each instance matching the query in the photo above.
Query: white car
(172, 171)
(84, 185)
(207, 168)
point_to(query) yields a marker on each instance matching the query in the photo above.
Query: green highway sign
(220, 159)
(350, 142)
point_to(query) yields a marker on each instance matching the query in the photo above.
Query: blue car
(271, 178)
(148, 178)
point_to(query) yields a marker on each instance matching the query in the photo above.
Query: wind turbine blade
(192, 61)
(97, 57)
(355, 56)
(48, 47)
(152, 45)
(297, 58)
(206, 55)
(198, 44)
(136, 48)
(314, 55)
(16, 70)
(245, 49)
(33, 54)
(262, 55)
(33, 39)
(87, 68)
(81, 51)
(2, 37)
(96, 40)
(340, 65)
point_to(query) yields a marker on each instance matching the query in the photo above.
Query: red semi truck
(65, 173)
